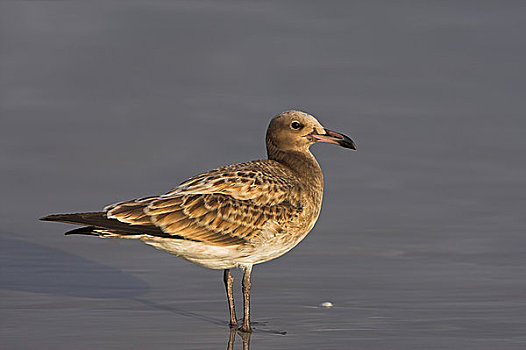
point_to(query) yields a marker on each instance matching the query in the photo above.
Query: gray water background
(422, 239)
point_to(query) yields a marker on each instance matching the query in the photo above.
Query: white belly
(223, 257)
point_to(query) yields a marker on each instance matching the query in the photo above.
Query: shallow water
(421, 242)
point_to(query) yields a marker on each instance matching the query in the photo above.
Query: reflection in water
(243, 335)
(232, 332)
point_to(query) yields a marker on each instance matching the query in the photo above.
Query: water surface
(421, 243)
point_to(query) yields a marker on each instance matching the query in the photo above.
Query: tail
(97, 224)
(92, 218)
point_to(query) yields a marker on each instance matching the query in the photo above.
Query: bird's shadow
(31, 267)
(258, 327)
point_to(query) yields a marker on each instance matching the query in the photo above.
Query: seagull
(235, 216)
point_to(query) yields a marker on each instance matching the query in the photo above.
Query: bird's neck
(302, 163)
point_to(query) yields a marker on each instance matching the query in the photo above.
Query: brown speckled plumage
(235, 216)
(226, 206)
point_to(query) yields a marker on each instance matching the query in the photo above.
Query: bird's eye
(296, 125)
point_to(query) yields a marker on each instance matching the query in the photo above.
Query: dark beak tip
(348, 143)
(350, 146)
(336, 138)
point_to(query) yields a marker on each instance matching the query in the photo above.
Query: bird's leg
(246, 300)
(229, 281)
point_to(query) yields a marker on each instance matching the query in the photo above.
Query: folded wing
(227, 206)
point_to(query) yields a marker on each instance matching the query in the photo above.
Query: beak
(334, 137)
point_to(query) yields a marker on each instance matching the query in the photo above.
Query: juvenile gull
(235, 216)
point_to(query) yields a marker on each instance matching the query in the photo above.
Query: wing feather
(225, 206)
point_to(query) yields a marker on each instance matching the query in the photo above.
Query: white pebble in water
(326, 304)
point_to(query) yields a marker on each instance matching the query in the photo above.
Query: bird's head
(297, 131)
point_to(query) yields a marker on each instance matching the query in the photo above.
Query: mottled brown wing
(262, 181)
(226, 206)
